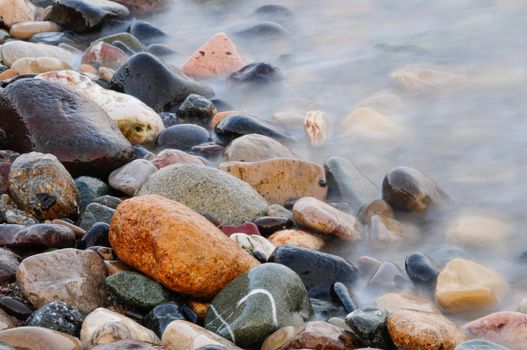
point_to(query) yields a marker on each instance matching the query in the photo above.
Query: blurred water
(471, 140)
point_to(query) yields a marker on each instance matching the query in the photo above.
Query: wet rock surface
(59, 317)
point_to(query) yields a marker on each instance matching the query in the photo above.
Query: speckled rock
(227, 198)
(103, 326)
(174, 156)
(85, 15)
(464, 285)
(38, 236)
(47, 339)
(102, 54)
(279, 180)
(25, 30)
(12, 51)
(272, 296)
(415, 330)
(58, 316)
(137, 290)
(312, 335)
(156, 84)
(14, 11)
(348, 183)
(506, 328)
(297, 238)
(147, 229)
(370, 324)
(29, 103)
(73, 276)
(8, 265)
(410, 190)
(255, 148)
(322, 218)
(217, 57)
(39, 184)
(138, 122)
(183, 335)
(130, 177)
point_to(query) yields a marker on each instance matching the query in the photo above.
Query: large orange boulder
(175, 246)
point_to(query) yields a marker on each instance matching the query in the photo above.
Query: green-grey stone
(257, 303)
(137, 290)
(479, 344)
(346, 182)
(90, 188)
(227, 198)
(370, 324)
(126, 38)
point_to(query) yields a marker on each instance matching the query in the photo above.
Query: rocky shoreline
(139, 211)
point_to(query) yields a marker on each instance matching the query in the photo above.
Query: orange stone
(199, 307)
(8, 74)
(176, 246)
(217, 57)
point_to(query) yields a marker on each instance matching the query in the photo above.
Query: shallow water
(470, 138)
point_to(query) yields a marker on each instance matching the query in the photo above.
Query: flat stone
(183, 335)
(14, 11)
(16, 49)
(272, 297)
(25, 30)
(322, 218)
(347, 182)
(59, 317)
(297, 238)
(32, 104)
(8, 265)
(312, 335)
(30, 65)
(73, 276)
(39, 184)
(15, 307)
(317, 270)
(202, 260)
(464, 285)
(279, 180)
(201, 188)
(218, 57)
(103, 326)
(137, 290)
(137, 122)
(174, 156)
(237, 125)
(505, 328)
(47, 339)
(255, 148)
(130, 177)
(156, 84)
(183, 137)
(416, 330)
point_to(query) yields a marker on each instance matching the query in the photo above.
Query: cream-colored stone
(297, 238)
(22, 338)
(316, 125)
(253, 243)
(31, 65)
(16, 49)
(183, 335)
(464, 285)
(139, 123)
(478, 231)
(25, 30)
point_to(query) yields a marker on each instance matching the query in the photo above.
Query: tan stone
(254, 148)
(31, 65)
(417, 330)
(253, 243)
(116, 266)
(417, 79)
(297, 238)
(76, 277)
(14, 11)
(25, 30)
(279, 180)
(464, 285)
(217, 57)
(323, 218)
(183, 335)
(397, 301)
(28, 337)
(175, 246)
(103, 326)
(8, 74)
(5, 321)
(478, 231)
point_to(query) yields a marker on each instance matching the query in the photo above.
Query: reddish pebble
(174, 156)
(248, 228)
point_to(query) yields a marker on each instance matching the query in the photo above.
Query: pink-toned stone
(174, 156)
(248, 228)
(506, 328)
(217, 57)
(297, 238)
(103, 54)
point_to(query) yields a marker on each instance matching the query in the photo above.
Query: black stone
(209, 150)
(342, 295)
(156, 84)
(189, 314)
(421, 269)
(147, 33)
(15, 308)
(161, 315)
(196, 109)
(125, 48)
(236, 125)
(258, 255)
(317, 270)
(370, 324)
(257, 73)
(96, 235)
(267, 225)
(59, 317)
(182, 137)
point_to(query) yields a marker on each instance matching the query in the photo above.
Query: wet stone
(248, 228)
(58, 316)
(160, 316)
(130, 177)
(267, 225)
(147, 33)
(96, 235)
(369, 323)
(273, 12)
(109, 201)
(421, 269)
(54, 38)
(258, 73)
(389, 277)
(317, 270)
(297, 238)
(125, 38)
(90, 188)
(182, 137)
(505, 328)
(8, 265)
(254, 148)
(161, 51)
(237, 125)
(196, 109)
(342, 295)
(94, 213)
(137, 290)
(15, 308)
(263, 31)
(102, 54)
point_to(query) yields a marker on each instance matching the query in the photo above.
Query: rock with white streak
(139, 123)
